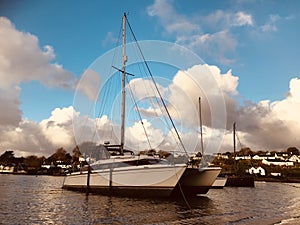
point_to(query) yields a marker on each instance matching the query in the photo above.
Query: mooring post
(88, 180)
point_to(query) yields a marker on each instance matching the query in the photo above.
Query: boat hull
(236, 181)
(196, 181)
(137, 181)
(219, 183)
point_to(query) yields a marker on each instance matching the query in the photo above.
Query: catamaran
(120, 172)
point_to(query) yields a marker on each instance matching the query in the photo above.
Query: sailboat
(197, 180)
(238, 180)
(122, 172)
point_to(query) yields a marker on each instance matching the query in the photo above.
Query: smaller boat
(219, 183)
(6, 169)
(238, 180)
(197, 180)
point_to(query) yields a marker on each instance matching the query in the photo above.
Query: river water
(40, 200)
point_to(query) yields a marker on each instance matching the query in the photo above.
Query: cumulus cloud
(220, 20)
(264, 125)
(207, 82)
(64, 128)
(172, 21)
(89, 84)
(260, 125)
(23, 60)
(210, 35)
(271, 125)
(10, 115)
(270, 25)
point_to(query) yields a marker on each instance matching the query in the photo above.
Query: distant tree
(198, 154)
(76, 154)
(246, 151)
(163, 154)
(87, 148)
(293, 151)
(241, 167)
(60, 155)
(7, 158)
(33, 162)
(68, 158)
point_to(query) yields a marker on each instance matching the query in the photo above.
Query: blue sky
(77, 30)
(256, 40)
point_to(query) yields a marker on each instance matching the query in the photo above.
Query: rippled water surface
(40, 200)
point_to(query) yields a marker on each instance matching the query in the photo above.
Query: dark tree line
(32, 164)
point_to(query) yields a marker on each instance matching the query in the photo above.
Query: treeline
(243, 164)
(56, 164)
(248, 151)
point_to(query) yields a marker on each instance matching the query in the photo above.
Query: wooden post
(201, 131)
(88, 180)
(234, 150)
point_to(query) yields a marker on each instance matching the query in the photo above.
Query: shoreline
(265, 179)
(281, 180)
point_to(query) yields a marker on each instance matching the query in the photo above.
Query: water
(40, 200)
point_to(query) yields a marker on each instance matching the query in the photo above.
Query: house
(262, 157)
(270, 156)
(277, 162)
(243, 157)
(259, 170)
(6, 169)
(222, 156)
(281, 155)
(295, 158)
(276, 174)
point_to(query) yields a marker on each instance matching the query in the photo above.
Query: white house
(6, 169)
(294, 158)
(277, 156)
(276, 174)
(222, 156)
(243, 157)
(277, 162)
(259, 170)
(262, 157)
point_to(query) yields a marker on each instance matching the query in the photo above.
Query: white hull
(6, 170)
(161, 178)
(219, 182)
(197, 181)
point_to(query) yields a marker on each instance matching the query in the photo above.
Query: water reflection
(40, 200)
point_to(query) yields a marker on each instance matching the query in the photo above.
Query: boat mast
(234, 150)
(124, 60)
(201, 131)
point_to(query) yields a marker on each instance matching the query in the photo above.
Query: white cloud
(206, 82)
(110, 38)
(9, 103)
(272, 125)
(217, 42)
(270, 25)
(58, 127)
(216, 45)
(89, 84)
(242, 18)
(144, 88)
(172, 21)
(223, 20)
(22, 60)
